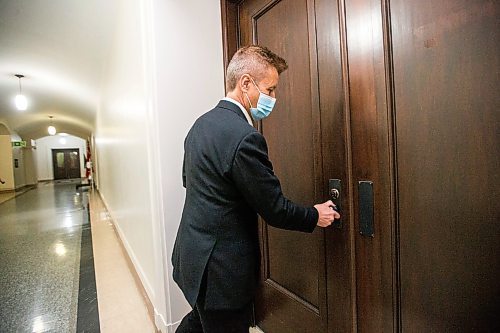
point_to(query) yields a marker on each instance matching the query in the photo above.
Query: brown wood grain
(446, 61)
(402, 93)
(335, 139)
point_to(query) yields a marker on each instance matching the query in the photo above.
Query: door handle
(335, 190)
(365, 207)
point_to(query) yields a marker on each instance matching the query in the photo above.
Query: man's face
(267, 85)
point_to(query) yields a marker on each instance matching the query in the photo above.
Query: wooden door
(66, 163)
(424, 110)
(398, 99)
(296, 267)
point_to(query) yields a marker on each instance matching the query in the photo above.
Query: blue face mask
(265, 105)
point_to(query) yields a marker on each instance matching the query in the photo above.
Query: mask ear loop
(256, 86)
(246, 95)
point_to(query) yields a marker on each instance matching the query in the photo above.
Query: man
(229, 180)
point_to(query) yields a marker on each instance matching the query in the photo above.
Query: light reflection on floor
(39, 263)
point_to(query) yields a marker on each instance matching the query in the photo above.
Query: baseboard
(19, 188)
(133, 270)
(27, 186)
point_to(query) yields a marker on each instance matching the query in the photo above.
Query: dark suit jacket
(228, 179)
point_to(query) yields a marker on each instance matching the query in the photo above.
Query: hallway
(47, 266)
(93, 71)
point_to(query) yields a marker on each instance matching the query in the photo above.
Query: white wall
(6, 166)
(43, 153)
(121, 143)
(17, 154)
(25, 173)
(190, 81)
(165, 70)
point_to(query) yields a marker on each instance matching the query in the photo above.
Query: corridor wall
(165, 70)
(189, 82)
(6, 167)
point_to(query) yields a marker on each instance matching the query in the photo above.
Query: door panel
(293, 294)
(446, 60)
(291, 120)
(59, 165)
(73, 164)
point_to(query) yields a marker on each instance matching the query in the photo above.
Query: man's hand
(326, 213)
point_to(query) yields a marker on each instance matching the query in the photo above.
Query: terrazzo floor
(40, 245)
(62, 268)
(49, 281)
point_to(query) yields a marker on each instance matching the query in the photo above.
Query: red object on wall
(87, 161)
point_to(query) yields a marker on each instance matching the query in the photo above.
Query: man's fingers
(328, 214)
(325, 224)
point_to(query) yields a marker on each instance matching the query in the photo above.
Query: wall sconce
(51, 129)
(21, 101)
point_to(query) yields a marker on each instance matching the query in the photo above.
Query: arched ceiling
(61, 47)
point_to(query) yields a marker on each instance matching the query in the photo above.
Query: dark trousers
(200, 320)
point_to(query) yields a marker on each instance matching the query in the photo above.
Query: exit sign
(18, 143)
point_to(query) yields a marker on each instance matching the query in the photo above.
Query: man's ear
(245, 82)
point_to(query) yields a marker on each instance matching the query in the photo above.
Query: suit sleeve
(253, 175)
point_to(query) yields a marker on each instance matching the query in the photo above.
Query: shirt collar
(247, 116)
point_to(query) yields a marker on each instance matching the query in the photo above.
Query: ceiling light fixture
(51, 129)
(21, 101)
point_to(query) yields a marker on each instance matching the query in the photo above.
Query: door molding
(392, 139)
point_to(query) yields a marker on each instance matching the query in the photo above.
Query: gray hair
(253, 60)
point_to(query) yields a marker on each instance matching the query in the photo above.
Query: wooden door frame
(230, 28)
